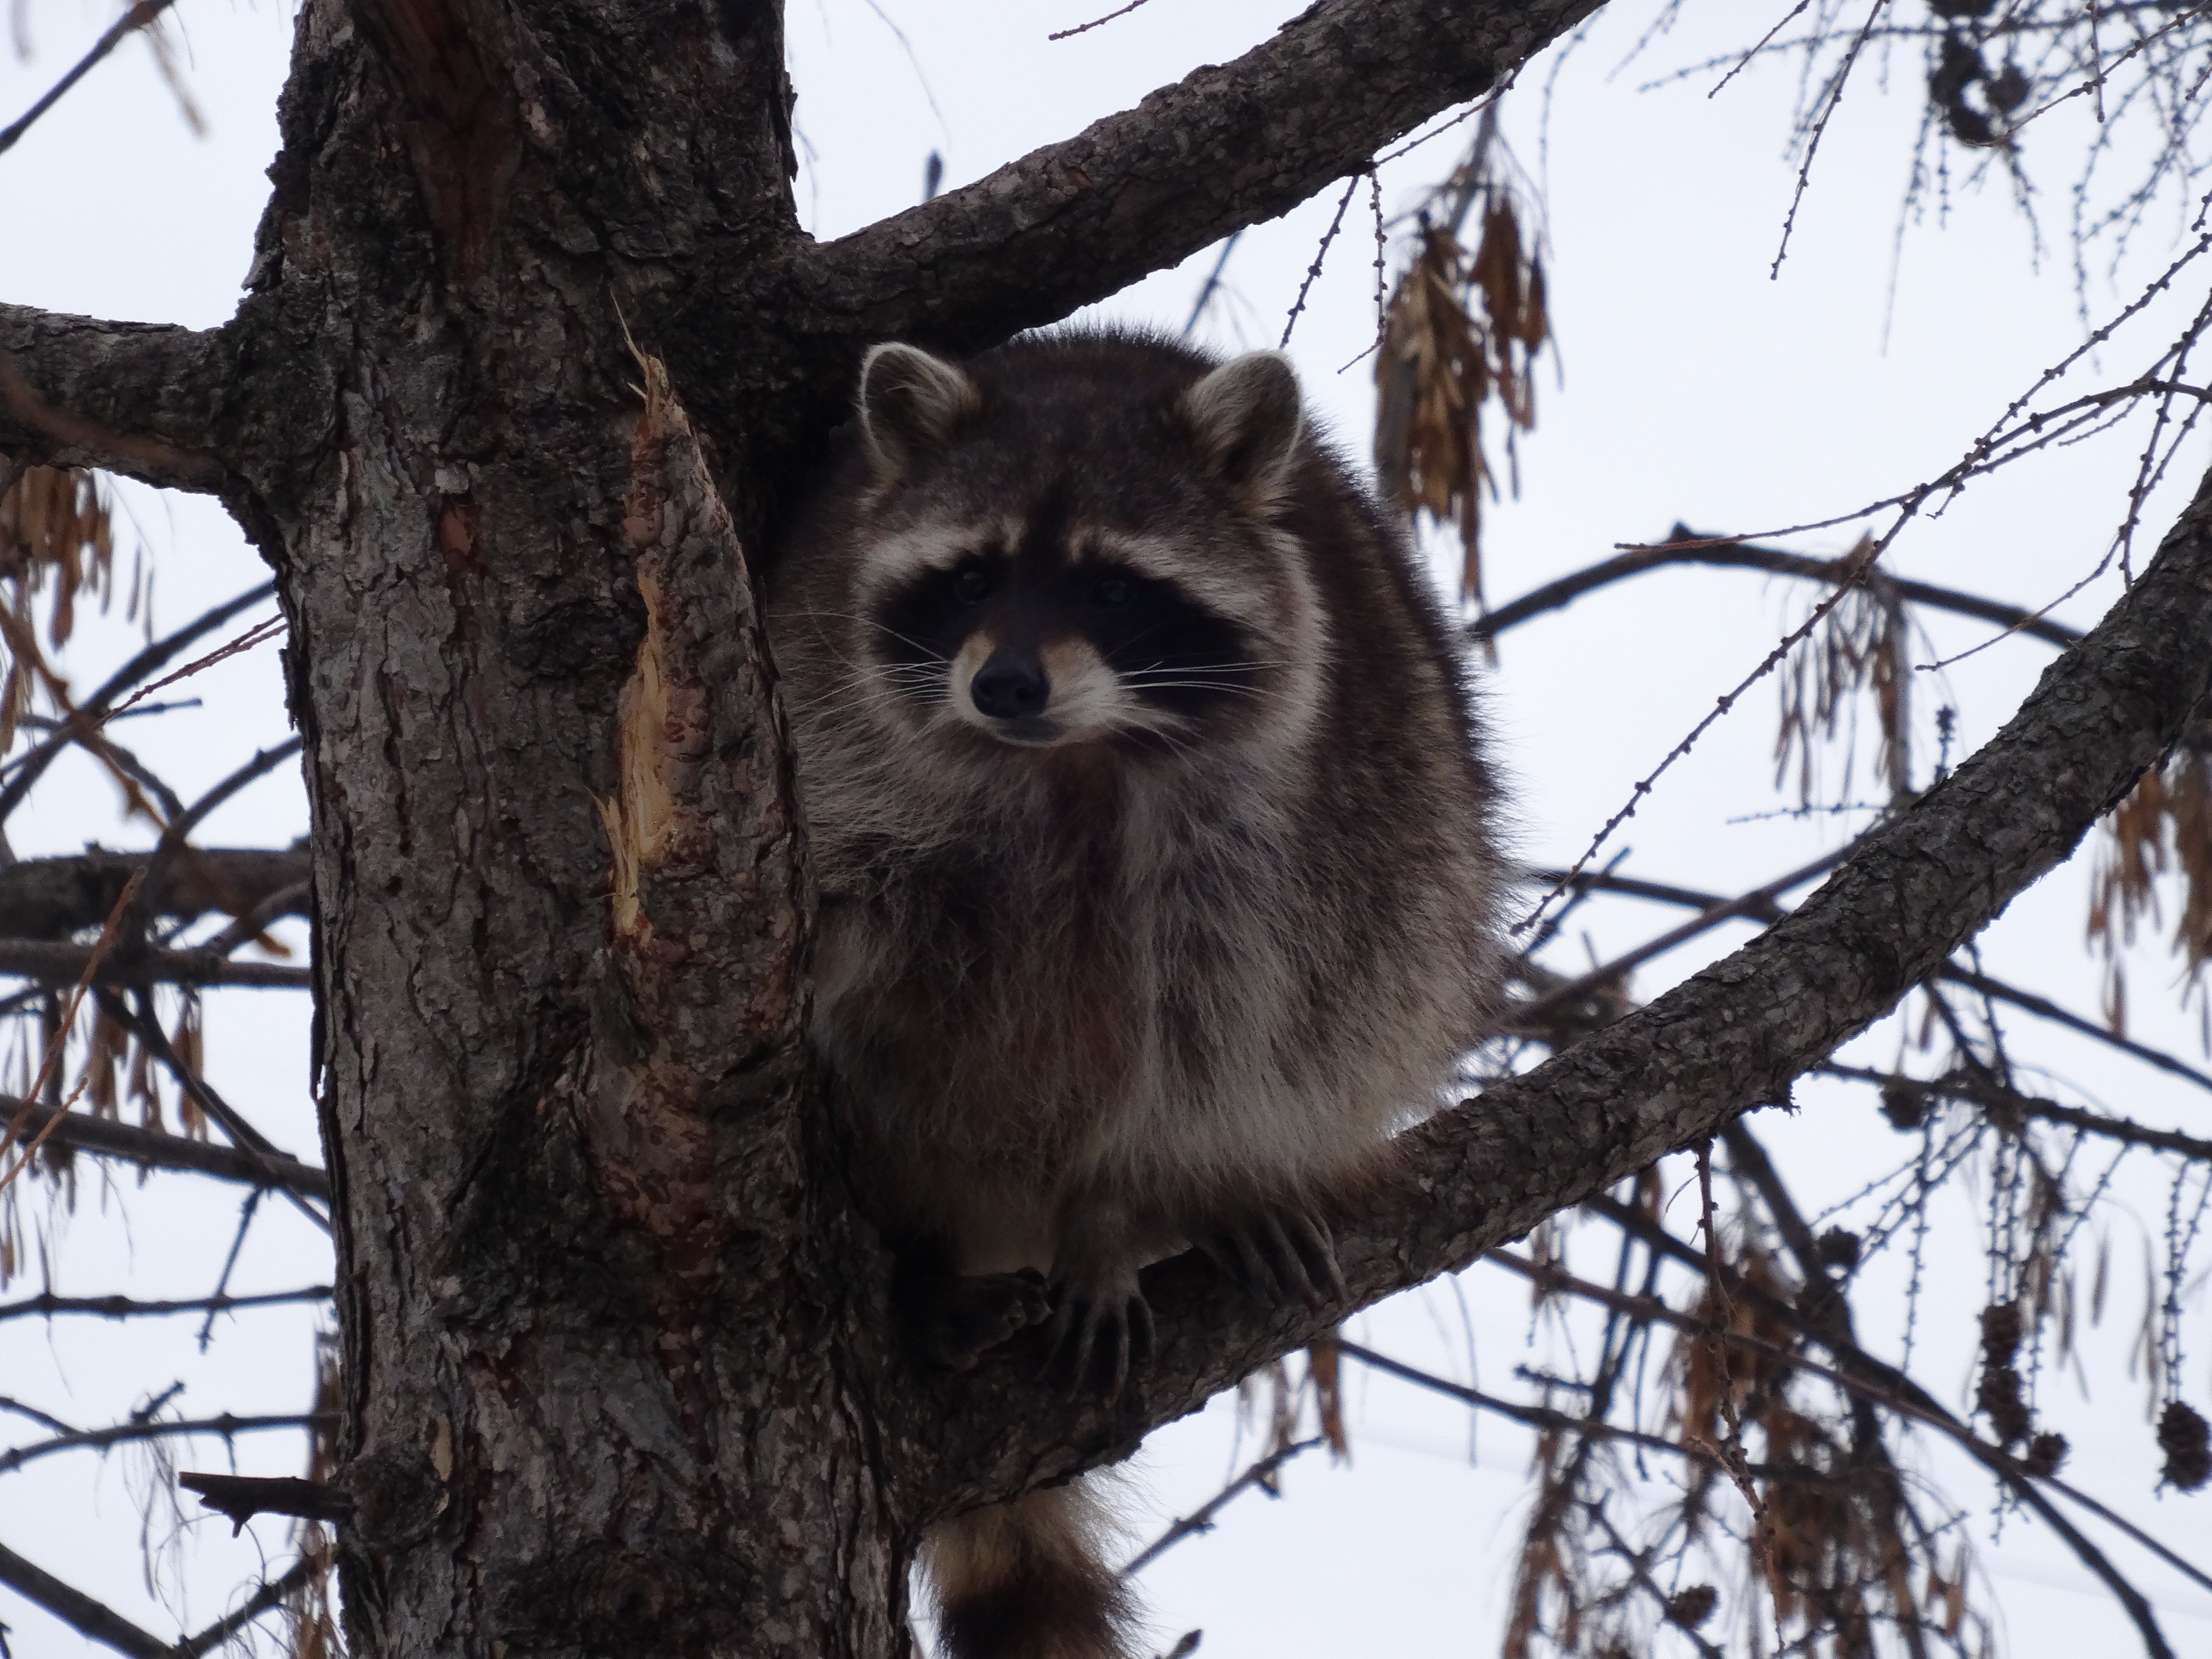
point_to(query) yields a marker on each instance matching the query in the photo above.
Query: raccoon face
(1038, 644)
(1041, 587)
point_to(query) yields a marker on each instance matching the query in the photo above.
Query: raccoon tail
(1024, 1580)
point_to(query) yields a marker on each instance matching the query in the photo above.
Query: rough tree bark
(616, 1367)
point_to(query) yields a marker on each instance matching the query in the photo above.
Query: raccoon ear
(1247, 416)
(909, 403)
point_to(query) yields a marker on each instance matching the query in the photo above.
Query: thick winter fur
(1028, 1578)
(1154, 849)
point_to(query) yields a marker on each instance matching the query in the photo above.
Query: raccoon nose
(1010, 686)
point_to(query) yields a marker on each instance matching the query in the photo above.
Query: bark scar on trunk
(655, 823)
(688, 904)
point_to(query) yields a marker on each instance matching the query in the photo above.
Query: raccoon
(1155, 851)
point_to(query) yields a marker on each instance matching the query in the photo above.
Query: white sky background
(1694, 388)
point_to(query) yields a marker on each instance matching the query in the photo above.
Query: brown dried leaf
(1859, 650)
(1324, 1369)
(1438, 364)
(2165, 824)
(56, 528)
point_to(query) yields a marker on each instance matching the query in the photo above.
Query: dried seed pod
(1905, 1106)
(1691, 1607)
(2183, 1436)
(1838, 1247)
(1999, 1394)
(2046, 1453)
(2007, 89)
(2001, 1333)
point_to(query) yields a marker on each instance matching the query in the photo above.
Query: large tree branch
(81, 1612)
(1676, 1072)
(51, 898)
(152, 1150)
(65, 964)
(145, 400)
(1227, 145)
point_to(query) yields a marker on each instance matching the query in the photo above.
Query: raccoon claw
(1097, 1339)
(1280, 1252)
(958, 1320)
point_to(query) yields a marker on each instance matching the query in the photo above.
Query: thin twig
(145, 12)
(1085, 29)
(2028, 1001)
(1313, 271)
(46, 1304)
(60, 1038)
(28, 767)
(117, 1433)
(1997, 1097)
(1882, 1384)
(260, 634)
(269, 1595)
(1202, 1519)
(1757, 901)
(249, 1139)
(1212, 282)
(1820, 129)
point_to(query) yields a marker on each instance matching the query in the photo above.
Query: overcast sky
(1690, 385)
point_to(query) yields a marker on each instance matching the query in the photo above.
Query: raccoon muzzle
(1023, 1581)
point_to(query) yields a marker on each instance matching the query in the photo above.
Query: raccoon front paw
(1277, 1252)
(1101, 1328)
(954, 1322)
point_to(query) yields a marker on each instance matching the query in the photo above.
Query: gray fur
(909, 403)
(1102, 983)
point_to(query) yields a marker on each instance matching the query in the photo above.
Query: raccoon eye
(971, 584)
(1113, 590)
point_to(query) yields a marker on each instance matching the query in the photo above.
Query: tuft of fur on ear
(909, 403)
(1247, 416)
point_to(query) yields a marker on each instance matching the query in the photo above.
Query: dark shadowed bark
(617, 1373)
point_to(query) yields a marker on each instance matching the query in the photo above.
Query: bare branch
(1226, 146)
(104, 1137)
(1737, 556)
(2043, 1006)
(242, 1496)
(77, 1610)
(259, 1603)
(45, 1303)
(26, 768)
(1858, 1372)
(249, 1141)
(144, 400)
(1549, 1418)
(96, 1621)
(139, 15)
(2001, 1101)
(51, 898)
(176, 835)
(161, 1429)
(1753, 909)
(1202, 1519)
(61, 964)
(1756, 903)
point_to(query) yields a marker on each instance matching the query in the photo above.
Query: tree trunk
(617, 1373)
(594, 1402)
